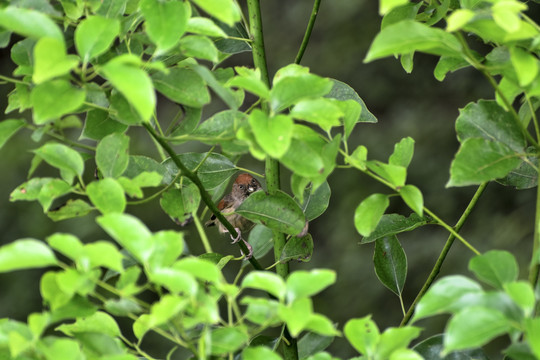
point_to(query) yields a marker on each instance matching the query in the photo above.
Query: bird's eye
(241, 187)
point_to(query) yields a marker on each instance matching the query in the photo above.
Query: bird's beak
(252, 188)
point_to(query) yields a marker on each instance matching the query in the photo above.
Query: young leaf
(200, 47)
(183, 86)
(407, 36)
(165, 22)
(227, 340)
(259, 353)
(495, 267)
(266, 281)
(55, 98)
(363, 334)
(302, 284)
(25, 254)
(368, 214)
(479, 160)
(8, 128)
(99, 322)
(393, 224)
(107, 195)
(321, 111)
(132, 82)
(50, 60)
(273, 134)
(30, 23)
(296, 315)
(112, 155)
(413, 197)
(395, 174)
(395, 339)
(278, 211)
(525, 64)
(250, 80)
(390, 263)
(95, 35)
(474, 327)
(403, 153)
(204, 26)
(62, 157)
(223, 10)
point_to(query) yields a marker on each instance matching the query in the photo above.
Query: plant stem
(204, 194)
(534, 266)
(289, 346)
(307, 34)
(437, 267)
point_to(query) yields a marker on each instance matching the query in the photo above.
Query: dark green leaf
(139, 164)
(390, 263)
(224, 93)
(25, 254)
(297, 248)
(112, 155)
(316, 202)
(183, 86)
(446, 64)
(479, 160)
(99, 124)
(392, 224)
(370, 211)
(312, 343)
(261, 239)
(278, 212)
(495, 268)
(432, 347)
(524, 176)
(486, 119)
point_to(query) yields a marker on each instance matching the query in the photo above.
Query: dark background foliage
(415, 105)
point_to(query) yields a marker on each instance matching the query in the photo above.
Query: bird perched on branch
(243, 186)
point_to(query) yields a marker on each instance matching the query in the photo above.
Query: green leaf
(227, 340)
(486, 119)
(259, 353)
(523, 294)
(25, 254)
(363, 334)
(479, 160)
(223, 10)
(62, 157)
(71, 209)
(61, 348)
(302, 284)
(403, 152)
(103, 253)
(95, 35)
(226, 94)
(51, 60)
(261, 240)
(495, 268)
(204, 26)
(200, 47)
(199, 268)
(294, 83)
(29, 23)
(370, 211)
(55, 98)
(390, 263)
(112, 155)
(344, 92)
(392, 224)
(132, 82)
(312, 343)
(321, 111)
(386, 6)
(165, 22)
(525, 65)
(532, 331)
(395, 174)
(278, 211)
(129, 232)
(524, 176)
(444, 294)
(8, 128)
(432, 347)
(183, 86)
(321, 325)
(98, 322)
(407, 36)
(168, 246)
(413, 197)
(448, 64)
(394, 339)
(107, 195)
(297, 248)
(296, 315)
(67, 244)
(266, 281)
(250, 80)
(316, 202)
(458, 19)
(474, 327)
(273, 134)
(506, 14)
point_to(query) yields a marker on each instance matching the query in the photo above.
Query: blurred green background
(415, 105)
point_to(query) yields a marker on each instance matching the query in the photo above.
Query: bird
(243, 186)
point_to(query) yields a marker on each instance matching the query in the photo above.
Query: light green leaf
(321, 111)
(223, 10)
(8, 128)
(390, 263)
(474, 327)
(103, 253)
(532, 331)
(30, 23)
(407, 36)
(165, 22)
(199, 268)
(296, 315)
(302, 284)
(204, 26)
(95, 35)
(107, 195)
(458, 19)
(522, 293)
(25, 254)
(395, 174)
(71, 209)
(413, 197)
(278, 211)
(368, 214)
(386, 5)
(273, 134)
(134, 83)
(51, 60)
(112, 155)
(183, 86)
(395, 339)
(62, 157)
(200, 47)
(525, 65)
(55, 98)
(266, 281)
(250, 80)
(99, 322)
(227, 339)
(259, 353)
(363, 334)
(506, 14)
(495, 267)
(479, 160)
(403, 152)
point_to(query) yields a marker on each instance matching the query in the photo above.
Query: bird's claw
(236, 239)
(238, 236)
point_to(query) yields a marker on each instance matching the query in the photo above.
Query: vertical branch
(535, 267)
(307, 34)
(290, 349)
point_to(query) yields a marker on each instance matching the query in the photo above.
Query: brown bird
(243, 186)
